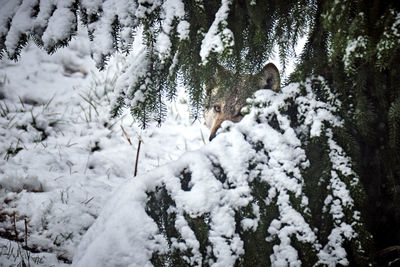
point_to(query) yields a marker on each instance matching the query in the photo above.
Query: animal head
(227, 105)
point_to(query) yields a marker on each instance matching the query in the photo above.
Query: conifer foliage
(353, 44)
(189, 39)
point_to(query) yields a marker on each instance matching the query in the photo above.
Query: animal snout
(212, 135)
(215, 128)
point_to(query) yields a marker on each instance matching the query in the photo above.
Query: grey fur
(227, 105)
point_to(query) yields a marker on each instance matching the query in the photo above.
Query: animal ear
(269, 78)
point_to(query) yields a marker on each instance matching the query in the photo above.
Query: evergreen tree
(354, 45)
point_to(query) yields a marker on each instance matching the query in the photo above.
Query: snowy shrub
(274, 189)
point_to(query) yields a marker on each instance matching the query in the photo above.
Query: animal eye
(217, 108)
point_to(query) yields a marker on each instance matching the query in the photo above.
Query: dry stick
(26, 233)
(385, 251)
(137, 156)
(126, 135)
(15, 227)
(202, 137)
(138, 149)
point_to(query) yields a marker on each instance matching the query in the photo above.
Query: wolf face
(228, 105)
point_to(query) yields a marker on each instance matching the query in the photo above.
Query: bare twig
(15, 226)
(388, 250)
(87, 201)
(138, 148)
(26, 233)
(137, 155)
(389, 255)
(126, 135)
(202, 137)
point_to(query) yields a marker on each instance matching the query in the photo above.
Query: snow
(7, 11)
(103, 44)
(390, 37)
(356, 48)
(396, 25)
(171, 10)
(146, 8)
(60, 184)
(54, 23)
(91, 6)
(12, 254)
(21, 23)
(218, 37)
(61, 24)
(248, 223)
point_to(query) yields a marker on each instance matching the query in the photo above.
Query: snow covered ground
(61, 156)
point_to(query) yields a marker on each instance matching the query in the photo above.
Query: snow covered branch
(248, 197)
